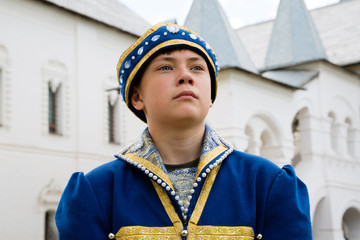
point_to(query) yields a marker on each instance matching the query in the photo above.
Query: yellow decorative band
(148, 233)
(209, 157)
(151, 167)
(201, 233)
(222, 232)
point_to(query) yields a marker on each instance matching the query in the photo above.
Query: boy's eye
(198, 68)
(165, 68)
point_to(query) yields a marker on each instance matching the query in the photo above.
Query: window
(351, 141)
(51, 232)
(113, 117)
(351, 223)
(297, 140)
(333, 132)
(54, 102)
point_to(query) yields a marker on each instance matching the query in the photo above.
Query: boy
(180, 180)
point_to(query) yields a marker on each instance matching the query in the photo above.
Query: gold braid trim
(169, 208)
(151, 167)
(200, 204)
(209, 157)
(169, 233)
(226, 233)
(145, 233)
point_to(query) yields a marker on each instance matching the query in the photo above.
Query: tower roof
(294, 38)
(208, 19)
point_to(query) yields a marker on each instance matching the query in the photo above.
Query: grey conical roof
(294, 38)
(208, 19)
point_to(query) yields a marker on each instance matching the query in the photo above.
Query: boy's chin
(187, 119)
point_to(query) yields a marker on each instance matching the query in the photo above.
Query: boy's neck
(178, 145)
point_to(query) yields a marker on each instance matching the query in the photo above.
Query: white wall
(43, 41)
(39, 42)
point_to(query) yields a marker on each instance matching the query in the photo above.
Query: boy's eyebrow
(170, 58)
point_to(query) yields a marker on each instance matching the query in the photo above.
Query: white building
(60, 111)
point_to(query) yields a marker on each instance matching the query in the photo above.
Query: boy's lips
(186, 94)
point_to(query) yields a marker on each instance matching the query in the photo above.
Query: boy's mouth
(186, 94)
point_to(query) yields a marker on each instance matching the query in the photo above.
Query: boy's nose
(185, 77)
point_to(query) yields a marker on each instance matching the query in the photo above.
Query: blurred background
(288, 90)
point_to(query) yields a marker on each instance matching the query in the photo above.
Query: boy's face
(175, 89)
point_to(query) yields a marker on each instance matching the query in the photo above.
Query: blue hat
(160, 37)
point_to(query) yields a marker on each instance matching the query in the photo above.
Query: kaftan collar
(146, 149)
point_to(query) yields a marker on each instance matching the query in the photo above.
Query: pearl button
(111, 236)
(184, 233)
(259, 236)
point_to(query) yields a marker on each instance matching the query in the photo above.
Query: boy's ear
(136, 100)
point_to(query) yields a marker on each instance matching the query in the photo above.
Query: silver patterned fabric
(183, 178)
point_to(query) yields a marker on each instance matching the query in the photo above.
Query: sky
(239, 12)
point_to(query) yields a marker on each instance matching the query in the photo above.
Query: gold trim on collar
(209, 157)
(151, 167)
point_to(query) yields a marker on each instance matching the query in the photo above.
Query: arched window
(333, 134)
(295, 128)
(55, 97)
(322, 219)
(264, 138)
(350, 224)
(51, 232)
(113, 116)
(350, 137)
(54, 111)
(267, 144)
(113, 107)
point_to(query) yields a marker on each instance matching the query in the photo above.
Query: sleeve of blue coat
(287, 214)
(79, 215)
